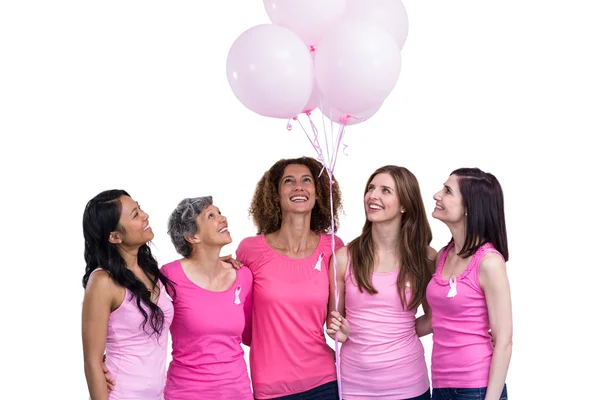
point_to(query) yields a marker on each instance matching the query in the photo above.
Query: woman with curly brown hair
(289, 259)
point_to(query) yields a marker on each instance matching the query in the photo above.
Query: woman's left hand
(229, 259)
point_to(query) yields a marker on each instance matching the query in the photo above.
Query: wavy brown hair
(266, 210)
(414, 239)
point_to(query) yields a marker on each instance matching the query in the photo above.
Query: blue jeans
(463, 394)
(424, 396)
(327, 391)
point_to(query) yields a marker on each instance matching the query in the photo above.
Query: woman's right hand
(110, 382)
(339, 326)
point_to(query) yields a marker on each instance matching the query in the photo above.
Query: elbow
(504, 345)
(91, 364)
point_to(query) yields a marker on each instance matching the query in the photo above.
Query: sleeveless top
(383, 355)
(462, 349)
(136, 358)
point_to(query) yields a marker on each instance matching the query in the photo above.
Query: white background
(133, 95)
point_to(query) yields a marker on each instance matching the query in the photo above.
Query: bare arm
(337, 323)
(423, 323)
(98, 301)
(494, 283)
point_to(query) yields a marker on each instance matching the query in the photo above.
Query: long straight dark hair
(414, 239)
(484, 203)
(100, 218)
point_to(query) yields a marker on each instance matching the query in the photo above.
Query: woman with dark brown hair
(289, 259)
(382, 276)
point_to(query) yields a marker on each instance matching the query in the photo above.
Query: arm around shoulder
(432, 258)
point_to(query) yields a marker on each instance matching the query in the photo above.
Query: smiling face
(134, 227)
(382, 202)
(297, 192)
(212, 227)
(449, 202)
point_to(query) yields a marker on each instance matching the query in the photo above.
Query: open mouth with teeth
(375, 207)
(298, 199)
(224, 230)
(147, 227)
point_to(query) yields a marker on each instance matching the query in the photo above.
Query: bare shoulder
(100, 281)
(341, 259)
(342, 253)
(492, 263)
(102, 289)
(492, 271)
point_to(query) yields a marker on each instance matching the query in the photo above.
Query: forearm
(498, 370)
(96, 381)
(423, 325)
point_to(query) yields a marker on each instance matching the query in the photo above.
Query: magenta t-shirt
(207, 330)
(288, 353)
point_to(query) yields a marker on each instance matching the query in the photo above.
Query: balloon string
(335, 285)
(329, 163)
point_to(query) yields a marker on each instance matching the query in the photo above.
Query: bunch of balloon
(339, 56)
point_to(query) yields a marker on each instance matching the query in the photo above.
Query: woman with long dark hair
(470, 293)
(381, 278)
(126, 311)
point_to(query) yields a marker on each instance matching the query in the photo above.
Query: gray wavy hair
(182, 222)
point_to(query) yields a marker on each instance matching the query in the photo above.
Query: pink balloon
(347, 119)
(309, 19)
(270, 71)
(314, 101)
(387, 14)
(356, 66)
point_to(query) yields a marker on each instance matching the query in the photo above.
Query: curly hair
(265, 210)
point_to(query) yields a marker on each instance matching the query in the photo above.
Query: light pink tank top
(135, 359)
(462, 349)
(383, 355)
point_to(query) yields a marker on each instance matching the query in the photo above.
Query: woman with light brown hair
(382, 276)
(289, 260)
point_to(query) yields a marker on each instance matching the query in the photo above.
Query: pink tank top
(462, 349)
(135, 359)
(383, 355)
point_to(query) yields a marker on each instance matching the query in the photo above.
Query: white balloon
(270, 71)
(357, 65)
(309, 19)
(388, 14)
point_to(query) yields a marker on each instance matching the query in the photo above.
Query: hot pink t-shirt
(288, 354)
(383, 357)
(207, 330)
(462, 349)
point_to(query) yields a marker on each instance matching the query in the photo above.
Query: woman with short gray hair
(212, 308)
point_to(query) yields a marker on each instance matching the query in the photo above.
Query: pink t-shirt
(462, 349)
(288, 354)
(383, 356)
(207, 330)
(136, 358)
